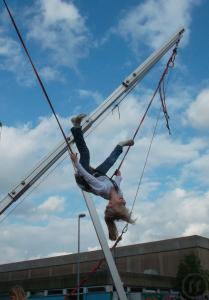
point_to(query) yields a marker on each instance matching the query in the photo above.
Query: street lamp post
(78, 257)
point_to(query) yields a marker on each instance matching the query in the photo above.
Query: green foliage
(189, 264)
(191, 277)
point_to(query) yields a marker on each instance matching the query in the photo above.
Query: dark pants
(85, 155)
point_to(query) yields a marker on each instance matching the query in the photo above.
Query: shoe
(76, 121)
(126, 143)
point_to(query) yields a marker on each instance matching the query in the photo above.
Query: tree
(192, 279)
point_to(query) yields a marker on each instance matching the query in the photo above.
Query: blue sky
(83, 51)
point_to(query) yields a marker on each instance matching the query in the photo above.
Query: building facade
(142, 267)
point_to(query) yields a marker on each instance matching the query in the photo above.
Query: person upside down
(95, 180)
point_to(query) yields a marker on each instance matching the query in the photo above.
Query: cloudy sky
(83, 51)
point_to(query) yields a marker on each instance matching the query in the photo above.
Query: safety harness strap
(86, 187)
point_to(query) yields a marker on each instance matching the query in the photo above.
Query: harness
(86, 187)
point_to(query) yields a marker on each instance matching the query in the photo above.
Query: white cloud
(197, 229)
(177, 213)
(198, 112)
(94, 248)
(52, 204)
(16, 241)
(165, 150)
(96, 96)
(50, 74)
(152, 22)
(163, 198)
(59, 28)
(198, 169)
(56, 11)
(171, 151)
(58, 253)
(23, 146)
(13, 60)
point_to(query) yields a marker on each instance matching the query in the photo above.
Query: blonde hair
(18, 292)
(112, 215)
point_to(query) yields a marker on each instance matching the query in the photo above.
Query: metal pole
(78, 257)
(103, 242)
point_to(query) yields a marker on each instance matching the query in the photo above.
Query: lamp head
(81, 215)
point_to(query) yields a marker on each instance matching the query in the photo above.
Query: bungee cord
(37, 76)
(1, 127)
(160, 89)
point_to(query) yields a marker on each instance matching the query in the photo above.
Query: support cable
(37, 76)
(1, 126)
(165, 85)
(170, 64)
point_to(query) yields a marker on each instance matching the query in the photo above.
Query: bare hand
(74, 157)
(117, 173)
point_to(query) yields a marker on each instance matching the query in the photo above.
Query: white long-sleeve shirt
(101, 185)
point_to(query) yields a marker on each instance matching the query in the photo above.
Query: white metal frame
(103, 242)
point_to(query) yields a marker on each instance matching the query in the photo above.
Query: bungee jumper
(96, 181)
